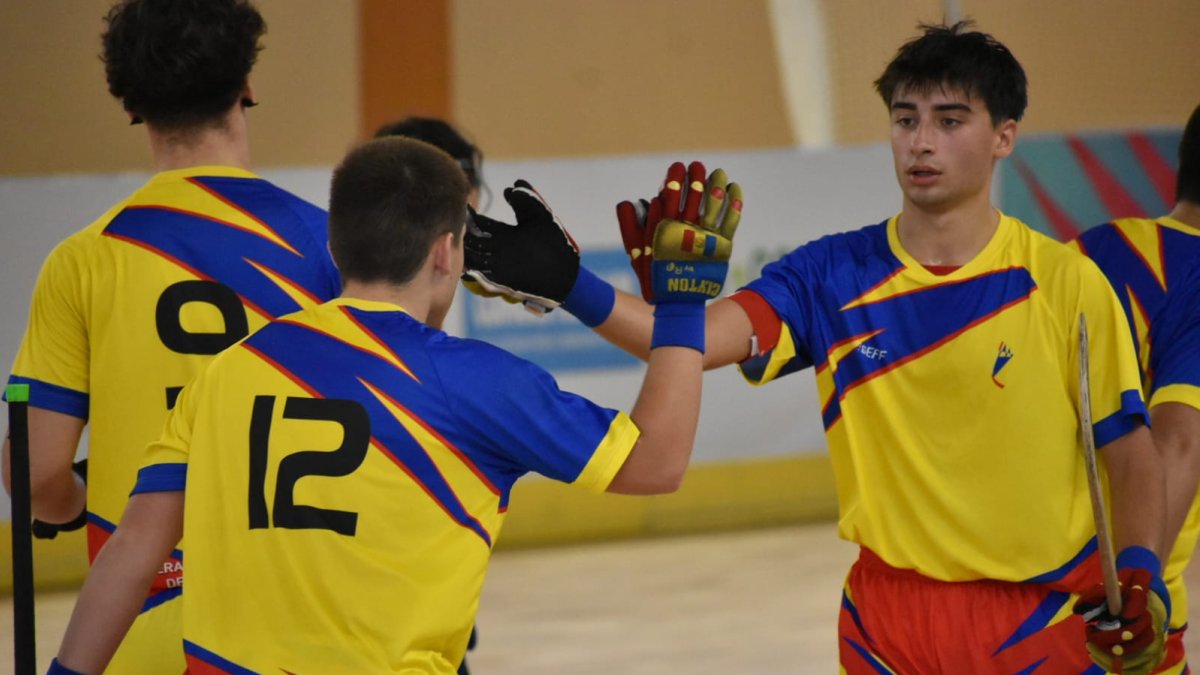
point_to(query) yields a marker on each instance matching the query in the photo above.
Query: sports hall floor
(759, 601)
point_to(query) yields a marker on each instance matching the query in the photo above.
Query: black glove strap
(43, 530)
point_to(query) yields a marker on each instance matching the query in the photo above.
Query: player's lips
(923, 175)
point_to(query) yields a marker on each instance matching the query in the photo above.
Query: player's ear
(441, 255)
(248, 99)
(1006, 138)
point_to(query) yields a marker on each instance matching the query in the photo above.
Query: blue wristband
(1141, 558)
(591, 299)
(679, 324)
(57, 668)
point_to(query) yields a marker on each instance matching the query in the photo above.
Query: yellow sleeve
(1114, 374)
(54, 357)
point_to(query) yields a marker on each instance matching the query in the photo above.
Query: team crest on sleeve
(1003, 356)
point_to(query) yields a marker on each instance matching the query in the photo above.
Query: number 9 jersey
(126, 311)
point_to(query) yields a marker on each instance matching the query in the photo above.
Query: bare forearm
(59, 499)
(630, 325)
(667, 412)
(727, 330)
(57, 494)
(1138, 489)
(118, 582)
(1176, 431)
(106, 608)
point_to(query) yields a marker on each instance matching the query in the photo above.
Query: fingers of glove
(526, 202)
(482, 227)
(695, 193)
(531, 207)
(733, 210)
(714, 199)
(631, 229)
(671, 194)
(654, 215)
(1129, 637)
(1142, 663)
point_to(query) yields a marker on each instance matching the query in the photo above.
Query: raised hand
(679, 245)
(535, 261)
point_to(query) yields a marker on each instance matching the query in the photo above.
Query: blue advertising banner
(1062, 184)
(556, 341)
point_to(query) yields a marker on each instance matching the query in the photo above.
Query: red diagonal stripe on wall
(1112, 194)
(1062, 224)
(1157, 168)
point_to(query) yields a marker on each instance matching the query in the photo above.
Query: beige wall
(545, 78)
(548, 77)
(58, 116)
(1091, 64)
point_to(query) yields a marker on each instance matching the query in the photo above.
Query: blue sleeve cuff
(53, 397)
(591, 299)
(1131, 415)
(57, 668)
(161, 478)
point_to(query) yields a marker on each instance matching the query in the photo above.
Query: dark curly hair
(443, 136)
(1187, 182)
(952, 56)
(180, 63)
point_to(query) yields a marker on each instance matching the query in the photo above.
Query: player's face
(945, 147)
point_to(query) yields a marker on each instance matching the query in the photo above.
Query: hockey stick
(24, 647)
(1108, 566)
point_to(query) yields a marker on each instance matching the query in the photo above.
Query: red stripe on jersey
(941, 270)
(763, 319)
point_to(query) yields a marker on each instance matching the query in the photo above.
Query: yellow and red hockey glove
(679, 246)
(1133, 642)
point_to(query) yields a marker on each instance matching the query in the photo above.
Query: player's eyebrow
(938, 107)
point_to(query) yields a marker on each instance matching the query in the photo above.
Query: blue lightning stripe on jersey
(220, 251)
(916, 323)
(1127, 270)
(303, 354)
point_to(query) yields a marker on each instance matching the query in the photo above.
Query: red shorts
(897, 621)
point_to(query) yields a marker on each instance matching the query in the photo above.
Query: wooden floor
(761, 601)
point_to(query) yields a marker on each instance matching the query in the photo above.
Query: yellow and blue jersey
(1154, 267)
(126, 311)
(347, 472)
(950, 401)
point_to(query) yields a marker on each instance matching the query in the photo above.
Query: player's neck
(226, 144)
(952, 237)
(416, 303)
(1187, 213)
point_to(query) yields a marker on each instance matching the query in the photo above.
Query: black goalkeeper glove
(43, 530)
(534, 262)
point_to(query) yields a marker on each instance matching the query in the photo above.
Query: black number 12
(343, 461)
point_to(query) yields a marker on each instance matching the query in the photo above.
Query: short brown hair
(389, 200)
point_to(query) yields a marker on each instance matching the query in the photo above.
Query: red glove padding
(1133, 642)
(711, 205)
